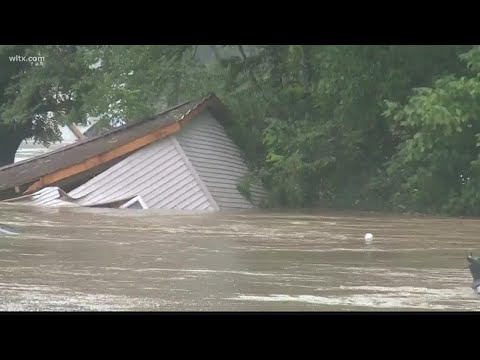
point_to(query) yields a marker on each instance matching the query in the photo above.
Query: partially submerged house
(181, 159)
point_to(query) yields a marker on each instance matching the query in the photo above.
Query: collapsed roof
(181, 159)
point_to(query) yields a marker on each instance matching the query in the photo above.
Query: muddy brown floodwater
(127, 260)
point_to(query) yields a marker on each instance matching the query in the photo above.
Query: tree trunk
(10, 140)
(173, 98)
(306, 70)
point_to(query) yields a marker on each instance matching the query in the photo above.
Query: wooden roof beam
(78, 134)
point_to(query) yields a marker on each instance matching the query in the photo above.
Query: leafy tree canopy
(378, 126)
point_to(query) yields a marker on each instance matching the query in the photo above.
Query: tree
(71, 83)
(319, 113)
(38, 95)
(310, 119)
(11, 132)
(437, 165)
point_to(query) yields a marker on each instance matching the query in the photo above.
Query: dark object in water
(4, 230)
(475, 271)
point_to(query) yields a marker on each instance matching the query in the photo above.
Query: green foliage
(436, 167)
(244, 186)
(39, 96)
(382, 126)
(325, 139)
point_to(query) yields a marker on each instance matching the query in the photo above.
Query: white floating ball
(368, 236)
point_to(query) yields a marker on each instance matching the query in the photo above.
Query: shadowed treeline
(384, 127)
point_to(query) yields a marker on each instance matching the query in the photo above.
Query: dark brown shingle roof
(32, 169)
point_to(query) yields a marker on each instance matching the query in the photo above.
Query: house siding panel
(157, 173)
(220, 167)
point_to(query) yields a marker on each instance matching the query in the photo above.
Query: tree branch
(240, 48)
(194, 52)
(250, 72)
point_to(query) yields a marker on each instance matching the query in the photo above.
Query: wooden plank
(103, 158)
(76, 131)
